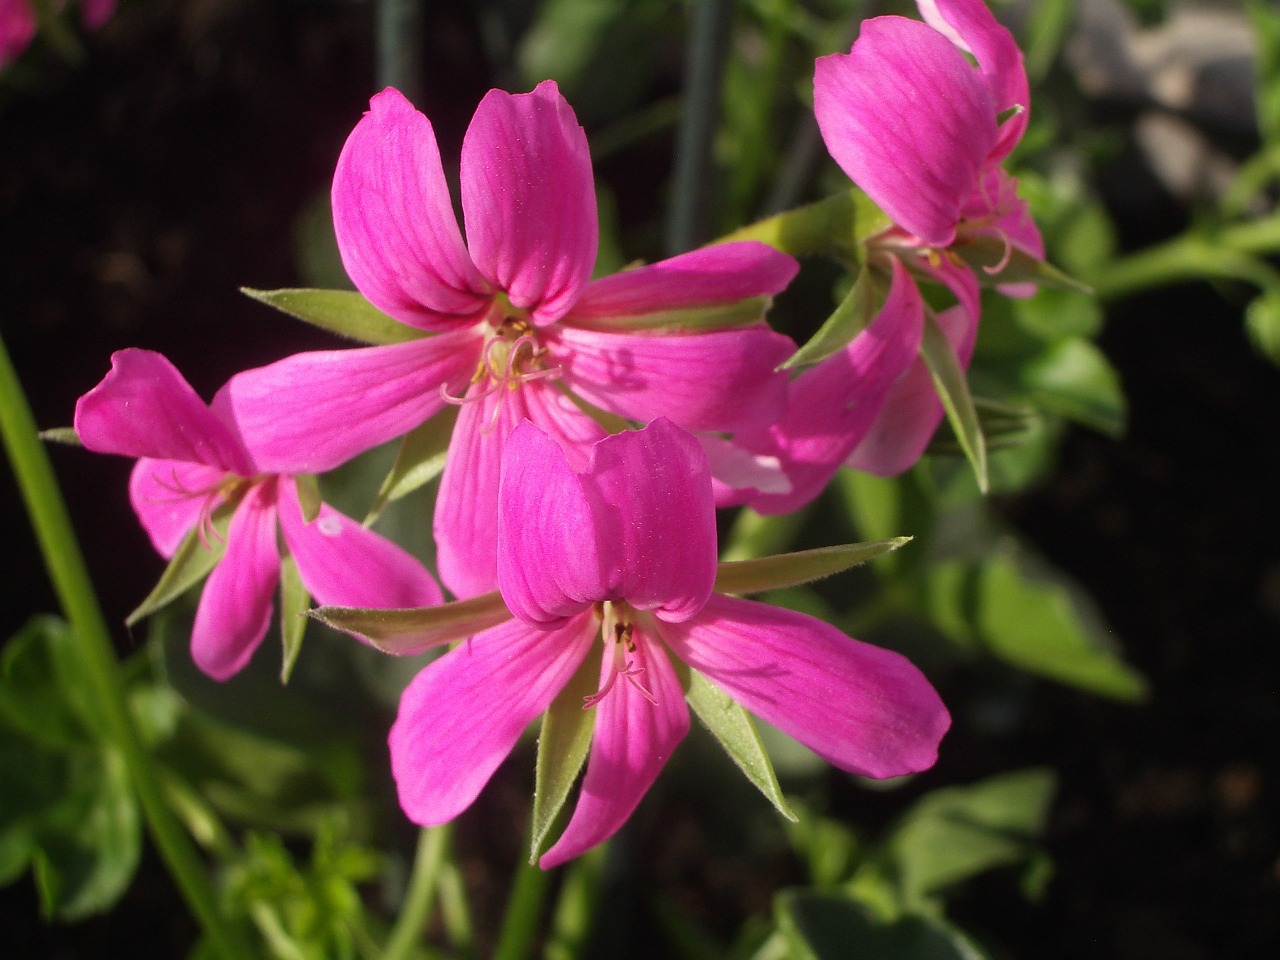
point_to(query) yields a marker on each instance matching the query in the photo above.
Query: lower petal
(866, 710)
(462, 715)
(168, 499)
(634, 737)
(235, 608)
(343, 564)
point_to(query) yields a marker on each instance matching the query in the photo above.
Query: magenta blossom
(191, 464)
(18, 23)
(625, 550)
(518, 329)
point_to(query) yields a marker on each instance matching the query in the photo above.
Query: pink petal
(633, 739)
(909, 120)
(169, 497)
(971, 26)
(144, 408)
(655, 526)
(313, 411)
(235, 607)
(466, 519)
(738, 475)
(833, 405)
(17, 28)
(529, 200)
(462, 714)
(723, 380)
(94, 13)
(343, 564)
(995, 210)
(724, 273)
(395, 224)
(866, 710)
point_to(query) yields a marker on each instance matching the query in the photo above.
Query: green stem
(1228, 256)
(524, 913)
(80, 605)
(418, 899)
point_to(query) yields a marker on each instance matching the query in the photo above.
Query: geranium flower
(191, 464)
(518, 329)
(625, 550)
(922, 131)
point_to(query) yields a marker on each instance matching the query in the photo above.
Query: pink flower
(191, 463)
(918, 127)
(518, 329)
(626, 550)
(18, 23)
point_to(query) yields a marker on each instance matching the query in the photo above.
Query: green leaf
(65, 435)
(199, 553)
(997, 264)
(851, 317)
(1074, 379)
(690, 320)
(1262, 323)
(743, 577)
(294, 601)
(417, 628)
(344, 312)
(308, 496)
(1002, 425)
(829, 926)
(953, 390)
(731, 725)
(1266, 29)
(956, 833)
(563, 744)
(419, 460)
(41, 690)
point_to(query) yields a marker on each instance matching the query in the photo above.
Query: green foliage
(343, 312)
(827, 926)
(563, 744)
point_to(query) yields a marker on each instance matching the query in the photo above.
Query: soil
(141, 188)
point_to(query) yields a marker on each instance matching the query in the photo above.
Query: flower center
(511, 356)
(227, 490)
(622, 655)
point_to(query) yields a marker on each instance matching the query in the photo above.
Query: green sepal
(1002, 425)
(198, 553)
(294, 601)
(838, 226)
(419, 460)
(745, 577)
(689, 320)
(563, 744)
(851, 317)
(414, 629)
(65, 435)
(344, 312)
(309, 496)
(731, 725)
(953, 391)
(995, 263)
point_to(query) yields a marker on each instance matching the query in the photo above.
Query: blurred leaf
(956, 833)
(745, 577)
(953, 390)
(828, 847)
(419, 460)
(1074, 379)
(1262, 324)
(308, 495)
(414, 630)
(344, 312)
(563, 744)
(1054, 314)
(1266, 28)
(294, 601)
(198, 553)
(732, 726)
(850, 318)
(1047, 30)
(828, 926)
(41, 690)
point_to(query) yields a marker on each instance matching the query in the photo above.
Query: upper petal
(343, 564)
(235, 608)
(463, 713)
(722, 380)
(17, 29)
(529, 200)
(313, 411)
(144, 408)
(865, 709)
(394, 220)
(170, 498)
(720, 274)
(909, 120)
(632, 740)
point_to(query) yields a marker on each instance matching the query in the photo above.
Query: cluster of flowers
(19, 20)
(557, 520)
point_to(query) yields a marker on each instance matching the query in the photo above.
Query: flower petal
(313, 411)
(343, 564)
(144, 408)
(466, 519)
(720, 274)
(462, 714)
(235, 608)
(865, 709)
(396, 228)
(633, 739)
(529, 200)
(169, 497)
(722, 380)
(833, 405)
(17, 29)
(909, 120)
